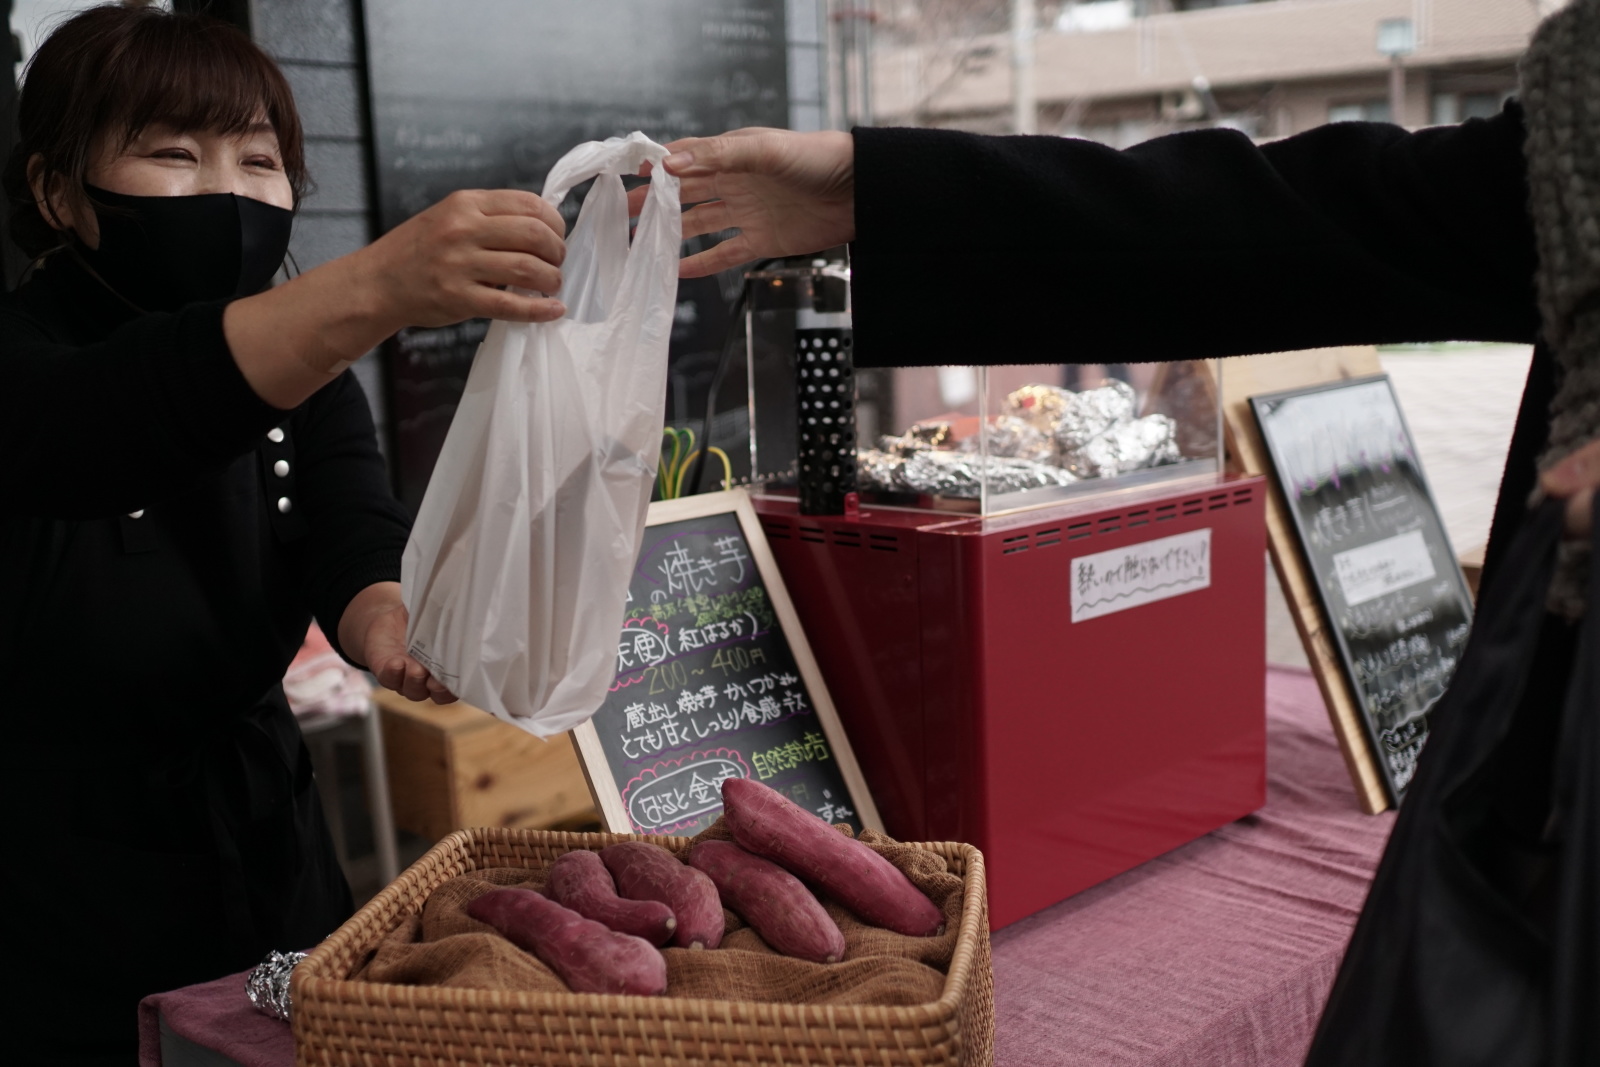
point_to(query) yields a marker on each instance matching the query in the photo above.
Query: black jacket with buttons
(165, 539)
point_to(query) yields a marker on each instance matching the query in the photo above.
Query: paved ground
(1460, 404)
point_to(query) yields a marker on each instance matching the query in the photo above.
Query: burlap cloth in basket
(443, 947)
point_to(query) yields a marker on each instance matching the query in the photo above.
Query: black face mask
(162, 252)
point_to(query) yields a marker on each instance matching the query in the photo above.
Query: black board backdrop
(491, 93)
(707, 688)
(1384, 567)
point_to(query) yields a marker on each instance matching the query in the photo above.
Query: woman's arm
(167, 399)
(441, 266)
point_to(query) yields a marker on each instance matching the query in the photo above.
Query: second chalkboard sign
(714, 680)
(1384, 567)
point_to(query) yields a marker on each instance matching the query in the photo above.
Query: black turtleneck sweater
(165, 538)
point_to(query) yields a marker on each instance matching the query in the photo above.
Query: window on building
(1480, 105)
(1450, 108)
(1199, 5)
(1362, 111)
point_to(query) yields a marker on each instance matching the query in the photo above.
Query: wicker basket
(338, 1021)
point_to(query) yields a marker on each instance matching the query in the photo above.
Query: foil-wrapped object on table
(1128, 446)
(268, 985)
(920, 437)
(1016, 438)
(955, 474)
(879, 469)
(1040, 406)
(1089, 414)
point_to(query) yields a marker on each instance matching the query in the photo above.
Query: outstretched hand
(373, 632)
(786, 193)
(1574, 480)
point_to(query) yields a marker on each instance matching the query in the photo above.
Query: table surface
(1218, 953)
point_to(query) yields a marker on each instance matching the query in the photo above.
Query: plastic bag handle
(622, 156)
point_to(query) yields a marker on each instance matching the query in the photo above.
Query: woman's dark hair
(114, 71)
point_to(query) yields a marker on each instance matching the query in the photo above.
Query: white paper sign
(1123, 578)
(1370, 571)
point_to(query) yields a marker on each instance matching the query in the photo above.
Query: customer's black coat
(153, 589)
(1043, 249)
(1478, 943)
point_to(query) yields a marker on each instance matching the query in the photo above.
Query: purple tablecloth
(1219, 953)
(215, 1015)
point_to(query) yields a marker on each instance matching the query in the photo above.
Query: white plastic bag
(516, 574)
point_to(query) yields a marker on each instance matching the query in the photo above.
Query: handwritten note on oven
(1124, 578)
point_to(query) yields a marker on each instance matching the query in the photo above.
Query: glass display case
(961, 438)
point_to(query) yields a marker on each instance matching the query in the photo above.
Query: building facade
(1122, 71)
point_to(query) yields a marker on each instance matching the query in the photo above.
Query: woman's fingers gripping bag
(516, 574)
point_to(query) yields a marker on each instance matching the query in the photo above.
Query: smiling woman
(192, 476)
(134, 127)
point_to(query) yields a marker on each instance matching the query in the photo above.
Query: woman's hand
(372, 631)
(1574, 480)
(448, 263)
(787, 194)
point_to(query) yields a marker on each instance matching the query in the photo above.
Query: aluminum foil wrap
(956, 474)
(919, 438)
(1128, 446)
(1038, 405)
(1016, 438)
(1089, 414)
(268, 985)
(879, 469)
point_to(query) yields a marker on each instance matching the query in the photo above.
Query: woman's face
(162, 161)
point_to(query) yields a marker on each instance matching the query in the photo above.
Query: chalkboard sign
(1384, 568)
(489, 94)
(714, 680)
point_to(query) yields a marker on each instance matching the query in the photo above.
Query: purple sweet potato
(587, 956)
(649, 872)
(772, 826)
(579, 880)
(773, 901)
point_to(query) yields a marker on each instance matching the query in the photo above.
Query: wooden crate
(454, 766)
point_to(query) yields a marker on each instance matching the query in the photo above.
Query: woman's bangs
(191, 85)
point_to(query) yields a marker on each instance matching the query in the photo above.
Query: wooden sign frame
(1242, 378)
(1448, 611)
(586, 739)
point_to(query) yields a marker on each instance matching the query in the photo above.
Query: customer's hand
(372, 631)
(1574, 480)
(786, 193)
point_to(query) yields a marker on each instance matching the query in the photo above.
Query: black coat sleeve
(975, 249)
(358, 530)
(92, 430)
